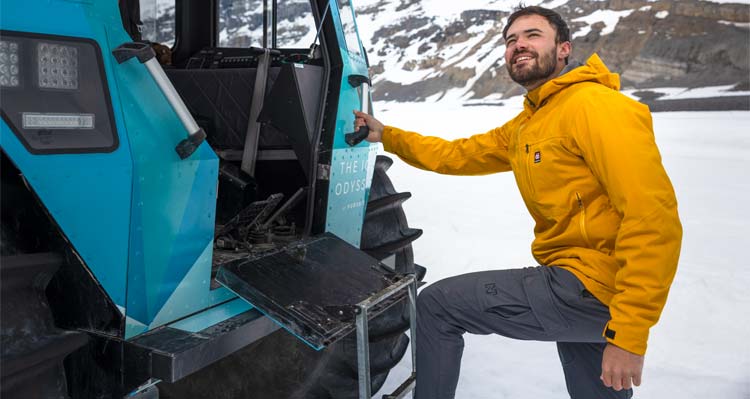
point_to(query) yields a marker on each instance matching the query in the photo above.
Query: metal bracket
(324, 171)
(363, 342)
(143, 52)
(355, 138)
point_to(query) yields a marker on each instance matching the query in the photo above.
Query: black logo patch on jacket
(537, 157)
(491, 288)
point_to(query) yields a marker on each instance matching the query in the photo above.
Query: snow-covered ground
(701, 347)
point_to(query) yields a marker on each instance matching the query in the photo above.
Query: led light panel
(33, 120)
(9, 64)
(58, 66)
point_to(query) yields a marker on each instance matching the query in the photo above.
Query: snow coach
(186, 212)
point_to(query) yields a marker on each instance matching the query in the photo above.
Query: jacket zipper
(525, 166)
(582, 221)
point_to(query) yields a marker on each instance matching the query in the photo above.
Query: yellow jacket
(587, 166)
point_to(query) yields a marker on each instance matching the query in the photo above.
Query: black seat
(220, 100)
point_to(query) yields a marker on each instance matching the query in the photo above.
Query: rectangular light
(9, 64)
(58, 66)
(32, 120)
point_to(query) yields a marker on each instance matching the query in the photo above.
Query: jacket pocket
(537, 286)
(547, 168)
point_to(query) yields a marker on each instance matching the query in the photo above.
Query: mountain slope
(431, 51)
(434, 49)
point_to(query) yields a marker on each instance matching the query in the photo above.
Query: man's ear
(563, 51)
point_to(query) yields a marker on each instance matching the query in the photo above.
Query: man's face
(531, 54)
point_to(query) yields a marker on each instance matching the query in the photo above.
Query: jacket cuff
(387, 138)
(632, 339)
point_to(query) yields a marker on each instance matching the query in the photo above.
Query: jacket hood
(593, 70)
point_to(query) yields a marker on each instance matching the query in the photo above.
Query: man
(607, 232)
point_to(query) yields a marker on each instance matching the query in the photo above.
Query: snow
(661, 14)
(609, 17)
(679, 93)
(552, 4)
(698, 350)
(745, 25)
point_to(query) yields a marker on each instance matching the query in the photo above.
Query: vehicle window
(350, 29)
(241, 23)
(158, 20)
(295, 27)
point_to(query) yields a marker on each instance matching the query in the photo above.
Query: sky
(700, 347)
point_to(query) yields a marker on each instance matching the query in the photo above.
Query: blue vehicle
(186, 212)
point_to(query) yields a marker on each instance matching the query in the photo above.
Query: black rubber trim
(187, 147)
(140, 50)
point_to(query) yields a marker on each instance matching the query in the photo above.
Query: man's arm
(477, 155)
(616, 138)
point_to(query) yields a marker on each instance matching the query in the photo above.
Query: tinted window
(350, 29)
(158, 20)
(241, 23)
(295, 27)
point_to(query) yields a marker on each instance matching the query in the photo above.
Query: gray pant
(535, 303)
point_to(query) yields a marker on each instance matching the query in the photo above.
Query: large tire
(32, 349)
(280, 366)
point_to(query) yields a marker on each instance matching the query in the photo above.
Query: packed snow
(700, 347)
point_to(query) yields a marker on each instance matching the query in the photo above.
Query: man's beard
(542, 70)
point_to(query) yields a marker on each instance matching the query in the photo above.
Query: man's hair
(563, 33)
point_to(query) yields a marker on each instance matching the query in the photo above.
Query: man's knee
(429, 300)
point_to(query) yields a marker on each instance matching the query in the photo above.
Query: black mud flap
(312, 287)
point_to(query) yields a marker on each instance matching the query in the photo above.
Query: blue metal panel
(173, 208)
(351, 167)
(157, 267)
(88, 195)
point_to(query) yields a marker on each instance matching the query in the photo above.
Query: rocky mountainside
(433, 49)
(665, 43)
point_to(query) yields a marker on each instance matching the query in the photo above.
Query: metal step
(175, 353)
(313, 287)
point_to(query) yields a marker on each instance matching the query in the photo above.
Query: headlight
(32, 120)
(58, 66)
(9, 65)
(54, 93)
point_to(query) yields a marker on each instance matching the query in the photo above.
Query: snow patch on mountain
(610, 19)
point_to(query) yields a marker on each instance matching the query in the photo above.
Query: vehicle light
(9, 65)
(58, 66)
(33, 120)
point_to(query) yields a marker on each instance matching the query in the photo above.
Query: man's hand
(376, 128)
(621, 369)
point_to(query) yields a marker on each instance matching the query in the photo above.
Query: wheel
(32, 349)
(281, 366)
